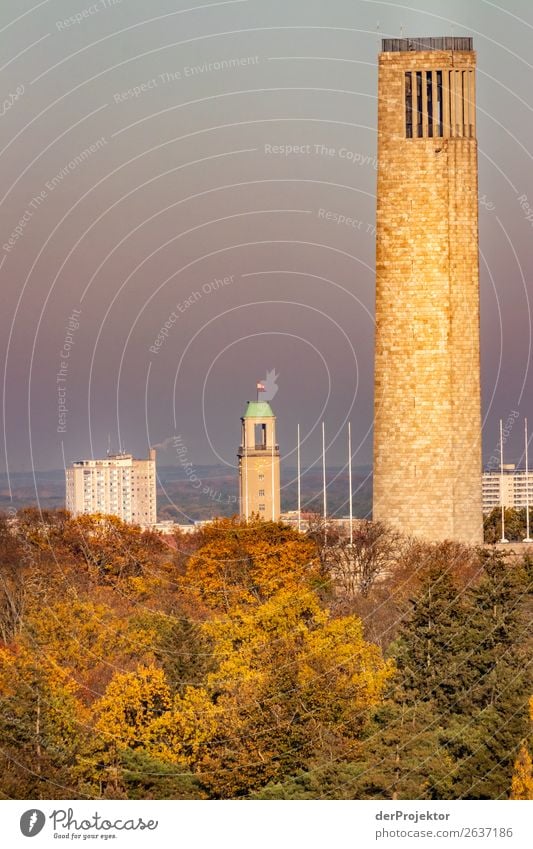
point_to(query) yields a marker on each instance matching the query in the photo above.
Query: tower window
(261, 477)
(262, 508)
(260, 436)
(429, 92)
(409, 105)
(439, 104)
(262, 492)
(429, 104)
(419, 104)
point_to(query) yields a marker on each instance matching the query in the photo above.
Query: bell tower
(427, 431)
(259, 472)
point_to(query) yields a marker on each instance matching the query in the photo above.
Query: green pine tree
(490, 718)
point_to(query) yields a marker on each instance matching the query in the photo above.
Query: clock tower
(259, 473)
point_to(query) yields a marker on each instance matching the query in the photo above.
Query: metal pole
(324, 481)
(272, 436)
(501, 482)
(350, 479)
(299, 485)
(527, 539)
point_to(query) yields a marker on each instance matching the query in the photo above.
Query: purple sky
(185, 118)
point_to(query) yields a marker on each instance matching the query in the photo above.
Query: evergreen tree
(456, 713)
(402, 754)
(403, 758)
(490, 719)
(430, 648)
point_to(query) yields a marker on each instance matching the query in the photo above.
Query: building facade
(119, 486)
(259, 469)
(427, 418)
(508, 489)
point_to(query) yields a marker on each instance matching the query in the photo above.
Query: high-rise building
(513, 488)
(119, 486)
(258, 455)
(427, 418)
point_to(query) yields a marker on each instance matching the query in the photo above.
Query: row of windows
(420, 79)
(436, 98)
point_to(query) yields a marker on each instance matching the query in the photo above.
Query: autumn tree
(247, 563)
(138, 713)
(225, 666)
(88, 639)
(357, 564)
(291, 685)
(112, 549)
(44, 728)
(522, 781)
(17, 580)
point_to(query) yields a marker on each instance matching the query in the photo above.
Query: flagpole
(324, 481)
(527, 539)
(299, 485)
(273, 484)
(350, 479)
(501, 482)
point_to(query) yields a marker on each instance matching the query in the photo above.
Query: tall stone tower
(259, 476)
(427, 438)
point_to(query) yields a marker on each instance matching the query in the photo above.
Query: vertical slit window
(408, 105)
(471, 111)
(419, 104)
(439, 105)
(454, 106)
(461, 103)
(449, 103)
(429, 90)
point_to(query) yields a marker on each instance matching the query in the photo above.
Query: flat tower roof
(441, 42)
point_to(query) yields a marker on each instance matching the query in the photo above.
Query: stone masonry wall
(427, 451)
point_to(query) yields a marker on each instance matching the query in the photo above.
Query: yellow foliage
(341, 674)
(278, 683)
(113, 550)
(293, 631)
(246, 564)
(39, 708)
(289, 681)
(522, 784)
(137, 710)
(7, 670)
(81, 634)
(130, 705)
(179, 735)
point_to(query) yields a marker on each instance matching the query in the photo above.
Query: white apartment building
(509, 488)
(119, 486)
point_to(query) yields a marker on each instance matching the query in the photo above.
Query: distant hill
(178, 498)
(46, 489)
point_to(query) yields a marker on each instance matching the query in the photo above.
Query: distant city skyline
(188, 203)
